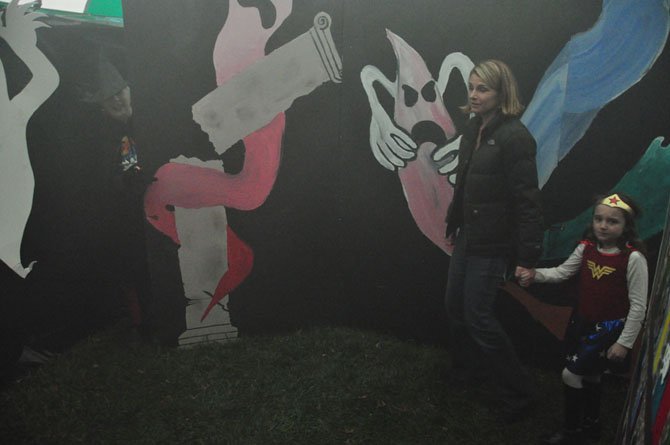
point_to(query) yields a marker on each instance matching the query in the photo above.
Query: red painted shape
(241, 42)
(553, 318)
(661, 416)
(191, 187)
(240, 262)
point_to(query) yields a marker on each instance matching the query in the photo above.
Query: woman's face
(483, 99)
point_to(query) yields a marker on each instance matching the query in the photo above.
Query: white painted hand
(391, 146)
(20, 25)
(447, 159)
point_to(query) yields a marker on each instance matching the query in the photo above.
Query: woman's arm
(521, 173)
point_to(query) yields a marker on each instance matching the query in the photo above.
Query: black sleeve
(519, 157)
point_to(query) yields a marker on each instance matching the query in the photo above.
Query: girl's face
(483, 99)
(608, 225)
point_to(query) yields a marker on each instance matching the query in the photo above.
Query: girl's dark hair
(629, 238)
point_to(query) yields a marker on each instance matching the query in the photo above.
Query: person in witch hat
(109, 90)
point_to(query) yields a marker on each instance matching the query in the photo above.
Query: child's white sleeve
(638, 280)
(562, 272)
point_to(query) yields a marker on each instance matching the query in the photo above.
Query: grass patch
(318, 386)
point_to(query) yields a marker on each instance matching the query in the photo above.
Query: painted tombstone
(254, 90)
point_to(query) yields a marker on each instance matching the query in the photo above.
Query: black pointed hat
(104, 81)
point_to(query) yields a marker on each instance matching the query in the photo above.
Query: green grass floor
(317, 386)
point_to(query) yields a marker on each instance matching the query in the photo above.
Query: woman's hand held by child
(617, 352)
(524, 276)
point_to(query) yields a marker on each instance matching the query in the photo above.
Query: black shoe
(591, 429)
(563, 437)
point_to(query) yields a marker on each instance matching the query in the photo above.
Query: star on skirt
(587, 344)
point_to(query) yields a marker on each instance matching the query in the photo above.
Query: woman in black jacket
(496, 224)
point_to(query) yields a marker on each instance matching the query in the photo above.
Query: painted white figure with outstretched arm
(16, 175)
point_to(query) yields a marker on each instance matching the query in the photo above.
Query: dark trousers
(477, 339)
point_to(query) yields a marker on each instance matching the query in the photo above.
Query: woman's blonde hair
(499, 77)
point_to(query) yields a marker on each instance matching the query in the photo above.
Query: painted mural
(301, 154)
(281, 213)
(254, 90)
(62, 232)
(593, 69)
(425, 149)
(269, 209)
(657, 357)
(645, 417)
(16, 174)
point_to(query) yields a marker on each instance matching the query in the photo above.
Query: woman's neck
(488, 117)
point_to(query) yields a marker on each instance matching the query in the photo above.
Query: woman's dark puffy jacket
(496, 199)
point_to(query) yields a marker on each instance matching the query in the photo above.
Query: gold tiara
(616, 201)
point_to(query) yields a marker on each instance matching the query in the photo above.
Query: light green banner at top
(106, 12)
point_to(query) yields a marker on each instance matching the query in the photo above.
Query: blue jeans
(478, 342)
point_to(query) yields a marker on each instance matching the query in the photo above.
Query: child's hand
(617, 353)
(524, 276)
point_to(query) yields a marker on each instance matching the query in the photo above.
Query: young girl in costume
(612, 283)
